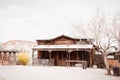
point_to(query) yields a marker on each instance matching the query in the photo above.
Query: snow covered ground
(52, 73)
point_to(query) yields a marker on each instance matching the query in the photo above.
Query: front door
(59, 57)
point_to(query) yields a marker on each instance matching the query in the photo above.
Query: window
(45, 55)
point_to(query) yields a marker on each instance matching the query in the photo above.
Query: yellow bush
(23, 58)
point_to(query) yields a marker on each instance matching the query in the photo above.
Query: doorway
(59, 57)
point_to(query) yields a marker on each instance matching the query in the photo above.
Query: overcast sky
(39, 19)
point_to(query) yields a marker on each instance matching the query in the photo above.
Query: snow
(84, 46)
(52, 73)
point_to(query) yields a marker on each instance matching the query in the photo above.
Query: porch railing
(83, 63)
(43, 62)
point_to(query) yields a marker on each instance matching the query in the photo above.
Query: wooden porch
(7, 57)
(60, 55)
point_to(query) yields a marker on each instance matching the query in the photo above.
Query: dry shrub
(23, 58)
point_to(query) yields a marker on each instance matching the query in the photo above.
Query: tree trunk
(107, 67)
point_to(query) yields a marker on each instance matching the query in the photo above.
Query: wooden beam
(91, 57)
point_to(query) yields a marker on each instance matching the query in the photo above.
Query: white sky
(38, 19)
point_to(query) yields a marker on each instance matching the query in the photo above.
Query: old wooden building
(8, 57)
(63, 48)
(114, 59)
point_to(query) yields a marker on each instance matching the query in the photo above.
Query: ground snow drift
(52, 73)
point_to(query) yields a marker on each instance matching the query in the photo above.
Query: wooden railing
(43, 62)
(84, 63)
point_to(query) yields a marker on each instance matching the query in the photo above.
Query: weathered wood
(60, 45)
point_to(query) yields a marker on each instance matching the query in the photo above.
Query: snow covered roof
(66, 36)
(63, 47)
(110, 57)
(111, 50)
(8, 50)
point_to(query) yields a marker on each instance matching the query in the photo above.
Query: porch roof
(63, 47)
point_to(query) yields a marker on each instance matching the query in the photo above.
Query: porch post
(91, 57)
(32, 57)
(14, 53)
(8, 57)
(69, 52)
(32, 54)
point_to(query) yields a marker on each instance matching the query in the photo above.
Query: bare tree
(115, 28)
(99, 30)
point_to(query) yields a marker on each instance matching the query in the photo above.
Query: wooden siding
(57, 55)
(64, 40)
